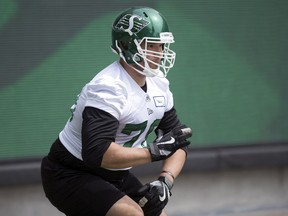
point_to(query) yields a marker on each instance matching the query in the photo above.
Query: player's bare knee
(137, 213)
(130, 211)
(140, 211)
(163, 213)
(125, 207)
(135, 210)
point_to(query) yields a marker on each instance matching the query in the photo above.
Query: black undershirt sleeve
(169, 121)
(98, 131)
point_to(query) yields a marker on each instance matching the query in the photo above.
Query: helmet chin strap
(149, 71)
(146, 69)
(154, 72)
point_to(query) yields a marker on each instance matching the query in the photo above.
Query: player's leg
(75, 192)
(125, 207)
(163, 213)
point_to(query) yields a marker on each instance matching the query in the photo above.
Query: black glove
(155, 196)
(165, 145)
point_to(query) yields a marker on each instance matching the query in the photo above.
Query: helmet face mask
(165, 57)
(134, 31)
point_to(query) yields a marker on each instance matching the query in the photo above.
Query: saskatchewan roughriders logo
(131, 23)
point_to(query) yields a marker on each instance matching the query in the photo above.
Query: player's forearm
(174, 164)
(117, 157)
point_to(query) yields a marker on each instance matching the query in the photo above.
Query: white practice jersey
(114, 91)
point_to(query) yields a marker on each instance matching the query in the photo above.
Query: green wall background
(229, 80)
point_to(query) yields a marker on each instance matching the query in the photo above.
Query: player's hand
(155, 196)
(165, 145)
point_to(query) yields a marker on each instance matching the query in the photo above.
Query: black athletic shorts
(77, 190)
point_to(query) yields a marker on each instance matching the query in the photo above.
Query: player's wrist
(167, 180)
(168, 175)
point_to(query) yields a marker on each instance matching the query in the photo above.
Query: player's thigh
(77, 193)
(125, 207)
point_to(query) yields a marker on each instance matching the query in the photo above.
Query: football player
(87, 171)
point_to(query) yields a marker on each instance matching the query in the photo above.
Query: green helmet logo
(131, 24)
(136, 27)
